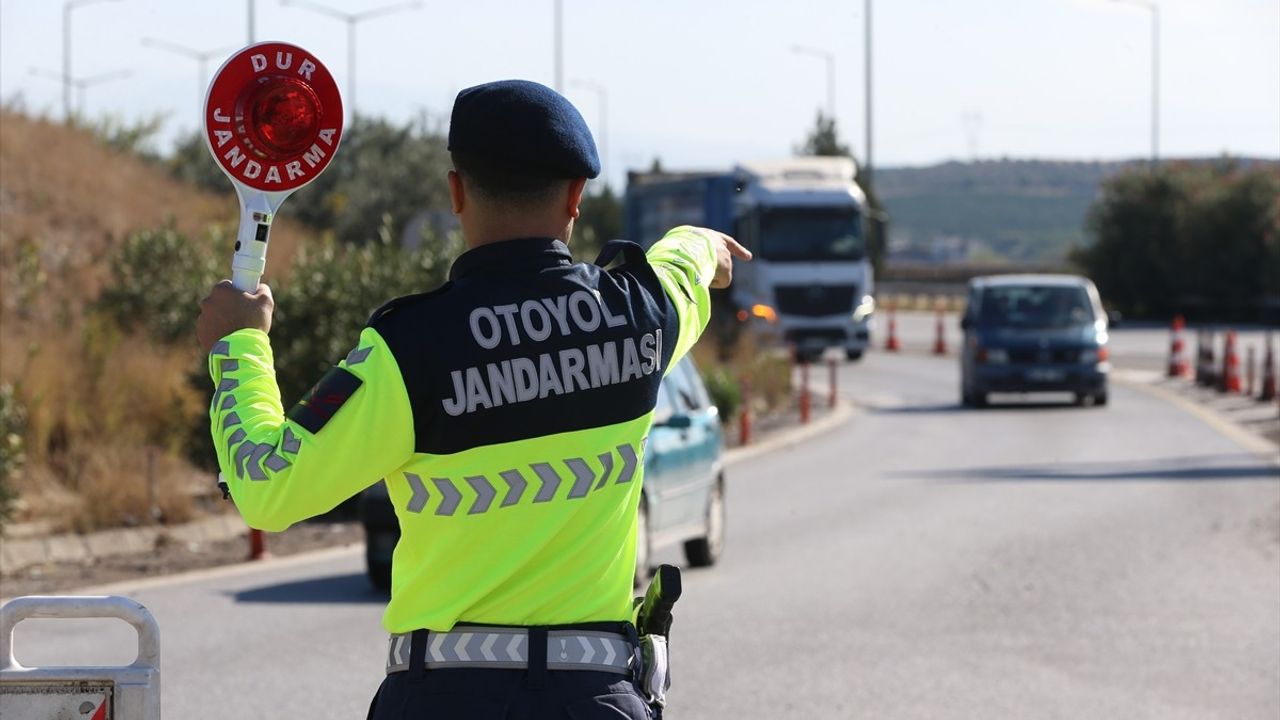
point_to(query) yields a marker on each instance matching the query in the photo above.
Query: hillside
(93, 397)
(1023, 211)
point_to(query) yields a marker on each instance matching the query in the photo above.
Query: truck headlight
(864, 309)
(765, 312)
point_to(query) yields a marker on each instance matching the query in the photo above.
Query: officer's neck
(478, 231)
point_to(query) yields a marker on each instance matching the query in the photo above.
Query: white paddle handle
(250, 259)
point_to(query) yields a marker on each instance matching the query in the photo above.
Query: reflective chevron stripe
(484, 490)
(358, 355)
(222, 347)
(229, 365)
(508, 648)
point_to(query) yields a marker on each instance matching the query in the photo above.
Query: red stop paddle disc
(273, 117)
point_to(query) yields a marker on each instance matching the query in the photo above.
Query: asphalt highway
(1031, 560)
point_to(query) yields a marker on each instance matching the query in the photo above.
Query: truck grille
(815, 300)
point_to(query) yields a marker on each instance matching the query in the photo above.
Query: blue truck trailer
(810, 285)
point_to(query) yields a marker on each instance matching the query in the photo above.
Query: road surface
(1026, 561)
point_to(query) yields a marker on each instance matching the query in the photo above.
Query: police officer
(507, 411)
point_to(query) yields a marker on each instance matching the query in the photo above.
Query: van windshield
(1036, 306)
(808, 234)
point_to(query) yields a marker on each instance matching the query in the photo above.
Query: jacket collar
(528, 254)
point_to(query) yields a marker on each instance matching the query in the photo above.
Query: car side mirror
(1114, 317)
(677, 422)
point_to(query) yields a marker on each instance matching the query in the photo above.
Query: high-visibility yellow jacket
(506, 410)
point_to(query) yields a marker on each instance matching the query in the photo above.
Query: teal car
(683, 502)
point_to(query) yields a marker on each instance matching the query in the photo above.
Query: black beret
(526, 126)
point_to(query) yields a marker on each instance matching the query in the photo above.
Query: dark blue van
(1034, 333)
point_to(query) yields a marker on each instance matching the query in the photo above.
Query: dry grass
(108, 415)
(766, 372)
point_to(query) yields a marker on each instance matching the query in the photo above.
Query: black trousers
(482, 694)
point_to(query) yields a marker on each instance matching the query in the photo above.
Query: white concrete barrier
(131, 692)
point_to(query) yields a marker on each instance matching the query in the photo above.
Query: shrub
(13, 426)
(158, 276)
(724, 390)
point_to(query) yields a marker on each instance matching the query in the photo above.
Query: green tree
(823, 140)
(600, 221)
(1201, 239)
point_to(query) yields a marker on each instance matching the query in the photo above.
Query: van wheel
(706, 550)
(643, 546)
(853, 355)
(1100, 399)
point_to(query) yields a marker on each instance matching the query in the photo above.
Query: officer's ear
(457, 193)
(576, 187)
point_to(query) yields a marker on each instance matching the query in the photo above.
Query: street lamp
(202, 57)
(1155, 73)
(67, 7)
(559, 45)
(602, 99)
(352, 19)
(81, 83)
(830, 58)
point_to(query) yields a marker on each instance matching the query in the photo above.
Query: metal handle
(81, 606)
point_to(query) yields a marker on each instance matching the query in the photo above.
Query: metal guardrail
(131, 692)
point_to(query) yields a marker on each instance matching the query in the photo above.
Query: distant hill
(1019, 211)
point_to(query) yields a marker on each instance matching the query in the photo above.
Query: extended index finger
(735, 248)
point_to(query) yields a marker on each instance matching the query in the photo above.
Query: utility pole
(1155, 74)
(67, 7)
(352, 19)
(830, 59)
(559, 45)
(252, 15)
(602, 98)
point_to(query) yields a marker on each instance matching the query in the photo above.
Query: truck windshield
(805, 234)
(1029, 306)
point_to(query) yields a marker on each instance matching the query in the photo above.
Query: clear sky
(705, 83)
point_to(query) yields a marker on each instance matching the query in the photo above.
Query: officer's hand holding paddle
(226, 309)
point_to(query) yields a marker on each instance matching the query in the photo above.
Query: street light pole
(352, 19)
(602, 98)
(866, 26)
(80, 83)
(202, 57)
(559, 43)
(252, 16)
(830, 59)
(1155, 74)
(67, 7)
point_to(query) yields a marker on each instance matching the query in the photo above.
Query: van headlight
(864, 309)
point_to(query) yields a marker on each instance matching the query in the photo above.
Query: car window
(1036, 306)
(690, 394)
(664, 409)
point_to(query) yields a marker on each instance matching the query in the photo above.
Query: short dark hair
(504, 184)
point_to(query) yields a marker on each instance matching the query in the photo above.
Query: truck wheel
(706, 550)
(643, 545)
(853, 355)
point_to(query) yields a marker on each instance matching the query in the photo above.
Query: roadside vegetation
(105, 249)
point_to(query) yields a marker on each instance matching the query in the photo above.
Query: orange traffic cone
(940, 342)
(891, 343)
(1230, 382)
(1178, 366)
(1268, 374)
